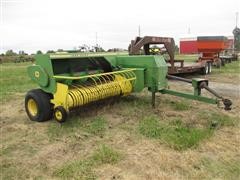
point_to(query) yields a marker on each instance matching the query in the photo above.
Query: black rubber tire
(222, 62)
(209, 67)
(218, 64)
(63, 112)
(44, 107)
(204, 70)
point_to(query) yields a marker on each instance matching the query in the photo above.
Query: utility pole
(139, 31)
(189, 30)
(236, 19)
(96, 36)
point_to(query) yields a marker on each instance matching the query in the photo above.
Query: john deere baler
(70, 81)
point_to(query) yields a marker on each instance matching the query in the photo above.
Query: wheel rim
(58, 115)
(206, 70)
(210, 68)
(32, 107)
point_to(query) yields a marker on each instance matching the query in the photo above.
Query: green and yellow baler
(69, 81)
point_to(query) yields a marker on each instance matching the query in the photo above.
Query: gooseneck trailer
(142, 45)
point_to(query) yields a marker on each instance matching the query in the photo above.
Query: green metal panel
(45, 62)
(155, 69)
(196, 85)
(65, 55)
(139, 84)
(38, 75)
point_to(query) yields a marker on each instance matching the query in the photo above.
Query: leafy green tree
(39, 52)
(10, 53)
(50, 51)
(22, 53)
(176, 49)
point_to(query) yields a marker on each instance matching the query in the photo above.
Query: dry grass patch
(84, 169)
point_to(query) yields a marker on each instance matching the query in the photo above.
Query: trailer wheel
(223, 62)
(60, 114)
(218, 64)
(204, 70)
(209, 67)
(38, 106)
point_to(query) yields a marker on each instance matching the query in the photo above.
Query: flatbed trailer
(182, 67)
(226, 59)
(141, 45)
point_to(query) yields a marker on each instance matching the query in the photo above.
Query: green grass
(175, 134)
(181, 106)
(181, 137)
(77, 127)
(83, 169)
(76, 170)
(97, 127)
(14, 79)
(69, 128)
(106, 155)
(217, 120)
(187, 58)
(231, 68)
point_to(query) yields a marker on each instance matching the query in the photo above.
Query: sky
(32, 25)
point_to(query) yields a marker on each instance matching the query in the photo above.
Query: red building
(188, 45)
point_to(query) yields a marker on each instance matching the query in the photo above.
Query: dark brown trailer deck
(181, 67)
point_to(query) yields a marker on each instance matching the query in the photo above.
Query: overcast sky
(32, 25)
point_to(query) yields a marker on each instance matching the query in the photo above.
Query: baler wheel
(60, 114)
(38, 106)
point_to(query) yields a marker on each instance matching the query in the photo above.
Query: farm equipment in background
(210, 47)
(71, 80)
(142, 45)
(236, 49)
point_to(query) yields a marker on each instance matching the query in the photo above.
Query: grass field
(187, 58)
(121, 138)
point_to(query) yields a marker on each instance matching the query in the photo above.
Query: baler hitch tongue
(199, 84)
(226, 102)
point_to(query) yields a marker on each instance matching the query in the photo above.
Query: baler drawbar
(71, 80)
